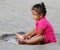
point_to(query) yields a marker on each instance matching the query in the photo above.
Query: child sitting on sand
(43, 33)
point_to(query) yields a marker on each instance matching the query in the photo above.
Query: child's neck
(40, 18)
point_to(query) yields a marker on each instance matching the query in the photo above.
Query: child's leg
(35, 40)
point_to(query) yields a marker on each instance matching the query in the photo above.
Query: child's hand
(28, 37)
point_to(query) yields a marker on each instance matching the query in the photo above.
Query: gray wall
(15, 15)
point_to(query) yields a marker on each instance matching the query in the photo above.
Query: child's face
(36, 16)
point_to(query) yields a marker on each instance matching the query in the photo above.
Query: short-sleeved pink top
(44, 24)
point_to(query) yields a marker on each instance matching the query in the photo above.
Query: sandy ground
(11, 46)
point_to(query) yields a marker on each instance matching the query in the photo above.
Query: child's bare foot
(19, 36)
(20, 41)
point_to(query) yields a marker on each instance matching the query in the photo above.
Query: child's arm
(30, 33)
(37, 39)
(40, 32)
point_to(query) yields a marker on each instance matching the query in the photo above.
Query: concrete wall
(15, 15)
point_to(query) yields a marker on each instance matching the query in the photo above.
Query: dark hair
(40, 8)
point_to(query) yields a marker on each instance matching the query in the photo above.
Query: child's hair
(40, 8)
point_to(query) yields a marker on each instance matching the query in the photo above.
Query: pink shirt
(46, 26)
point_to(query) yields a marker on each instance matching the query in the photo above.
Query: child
(43, 33)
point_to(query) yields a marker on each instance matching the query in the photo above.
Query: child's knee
(42, 38)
